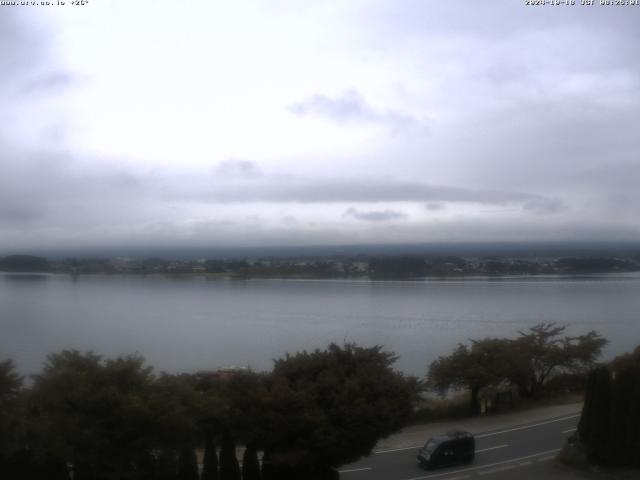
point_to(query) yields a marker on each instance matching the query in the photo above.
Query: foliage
(540, 353)
(187, 464)
(11, 418)
(250, 464)
(93, 413)
(210, 460)
(528, 362)
(229, 467)
(330, 407)
(484, 363)
(398, 267)
(115, 419)
(610, 417)
(24, 263)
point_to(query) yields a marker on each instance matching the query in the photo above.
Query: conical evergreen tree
(584, 425)
(267, 471)
(634, 421)
(599, 418)
(620, 435)
(250, 464)
(167, 465)
(229, 467)
(210, 460)
(187, 465)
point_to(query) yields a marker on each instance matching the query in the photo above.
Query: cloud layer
(250, 125)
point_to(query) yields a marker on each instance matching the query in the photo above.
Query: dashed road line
(524, 427)
(497, 470)
(483, 435)
(352, 470)
(390, 450)
(492, 448)
(569, 430)
(481, 467)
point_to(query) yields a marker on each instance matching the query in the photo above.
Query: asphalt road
(511, 452)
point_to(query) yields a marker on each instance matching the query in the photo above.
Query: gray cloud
(18, 214)
(238, 168)
(544, 206)
(543, 138)
(296, 190)
(435, 206)
(50, 82)
(374, 215)
(350, 107)
(20, 49)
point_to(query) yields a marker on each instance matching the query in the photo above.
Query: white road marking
(492, 448)
(524, 427)
(351, 470)
(480, 467)
(398, 449)
(569, 430)
(483, 435)
(420, 446)
(497, 470)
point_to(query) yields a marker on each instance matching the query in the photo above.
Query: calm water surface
(184, 324)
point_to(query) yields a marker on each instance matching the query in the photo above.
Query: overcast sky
(211, 123)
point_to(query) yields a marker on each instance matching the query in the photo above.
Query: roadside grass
(456, 406)
(432, 409)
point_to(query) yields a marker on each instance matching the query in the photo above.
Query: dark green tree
(93, 414)
(330, 407)
(483, 363)
(229, 467)
(250, 464)
(624, 442)
(10, 387)
(596, 428)
(167, 465)
(210, 460)
(187, 464)
(15, 458)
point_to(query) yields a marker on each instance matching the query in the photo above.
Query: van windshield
(430, 446)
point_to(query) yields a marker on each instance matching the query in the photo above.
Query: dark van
(455, 448)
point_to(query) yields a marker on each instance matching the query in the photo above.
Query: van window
(430, 446)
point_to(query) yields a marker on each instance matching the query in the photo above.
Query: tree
(484, 363)
(229, 467)
(24, 263)
(250, 464)
(327, 408)
(12, 428)
(608, 427)
(625, 410)
(595, 428)
(528, 361)
(187, 464)
(210, 460)
(93, 414)
(540, 353)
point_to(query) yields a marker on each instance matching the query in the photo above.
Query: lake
(190, 323)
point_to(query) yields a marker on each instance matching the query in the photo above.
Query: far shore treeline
(337, 266)
(115, 418)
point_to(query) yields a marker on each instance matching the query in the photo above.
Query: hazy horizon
(469, 249)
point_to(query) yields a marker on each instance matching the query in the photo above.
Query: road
(499, 454)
